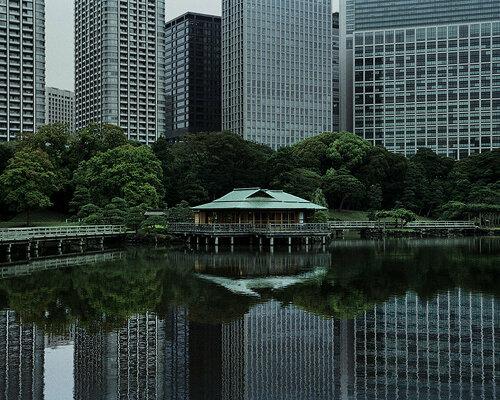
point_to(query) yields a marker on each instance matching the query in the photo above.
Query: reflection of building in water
(408, 349)
(256, 264)
(21, 359)
(150, 358)
(127, 364)
(193, 363)
(279, 352)
(440, 349)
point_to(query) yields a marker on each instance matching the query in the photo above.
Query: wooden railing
(218, 229)
(392, 224)
(27, 268)
(189, 228)
(59, 232)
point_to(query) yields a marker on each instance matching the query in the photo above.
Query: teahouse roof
(260, 199)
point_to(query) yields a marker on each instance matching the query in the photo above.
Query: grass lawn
(353, 215)
(38, 218)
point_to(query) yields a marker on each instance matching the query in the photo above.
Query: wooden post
(271, 241)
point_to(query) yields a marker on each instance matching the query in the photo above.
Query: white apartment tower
(277, 69)
(22, 67)
(119, 65)
(60, 107)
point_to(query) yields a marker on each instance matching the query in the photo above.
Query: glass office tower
(119, 66)
(22, 67)
(422, 74)
(193, 74)
(277, 69)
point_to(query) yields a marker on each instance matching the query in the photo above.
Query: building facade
(119, 66)
(277, 69)
(421, 74)
(336, 71)
(193, 74)
(21, 358)
(22, 67)
(60, 107)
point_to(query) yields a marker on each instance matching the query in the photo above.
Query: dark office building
(193, 74)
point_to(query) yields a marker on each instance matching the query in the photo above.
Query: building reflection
(407, 347)
(21, 359)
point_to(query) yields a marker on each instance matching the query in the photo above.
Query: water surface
(394, 319)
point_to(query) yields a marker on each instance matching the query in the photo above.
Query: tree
(6, 153)
(320, 217)
(28, 181)
(114, 212)
(374, 197)
(340, 186)
(96, 138)
(53, 139)
(180, 213)
(318, 197)
(301, 182)
(348, 151)
(81, 197)
(133, 173)
(135, 216)
(216, 163)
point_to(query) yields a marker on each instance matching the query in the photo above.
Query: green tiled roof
(261, 199)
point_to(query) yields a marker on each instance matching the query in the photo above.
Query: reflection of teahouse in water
(257, 264)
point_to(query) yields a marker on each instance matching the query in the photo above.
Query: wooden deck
(27, 235)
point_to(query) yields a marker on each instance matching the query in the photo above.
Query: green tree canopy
(132, 173)
(348, 151)
(341, 187)
(28, 181)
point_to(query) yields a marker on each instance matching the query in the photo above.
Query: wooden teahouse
(256, 206)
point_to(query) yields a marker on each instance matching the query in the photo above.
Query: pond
(386, 319)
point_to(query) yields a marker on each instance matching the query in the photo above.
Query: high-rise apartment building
(336, 72)
(21, 358)
(22, 67)
(119, 66)
(60, 107)
(277, 69)
(422, 74)
(193, 74)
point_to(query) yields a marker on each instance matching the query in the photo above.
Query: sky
(59, 34)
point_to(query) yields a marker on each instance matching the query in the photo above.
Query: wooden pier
(34, 237)
(306, 232)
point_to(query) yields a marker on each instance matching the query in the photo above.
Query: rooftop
(257, 198)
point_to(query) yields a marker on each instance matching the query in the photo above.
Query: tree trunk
(28, 217)
(342, 203)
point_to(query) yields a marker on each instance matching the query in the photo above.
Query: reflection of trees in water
(359, 275)
(368, 273)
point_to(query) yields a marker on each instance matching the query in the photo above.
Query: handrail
(54, 232)
(217, 228)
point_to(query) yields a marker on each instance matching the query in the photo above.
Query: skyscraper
(119, 66)
(60, 107)
(21, 358)
(22, 67)
(336, 72)
(193, 74)
(422, 74)
(277, 69)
